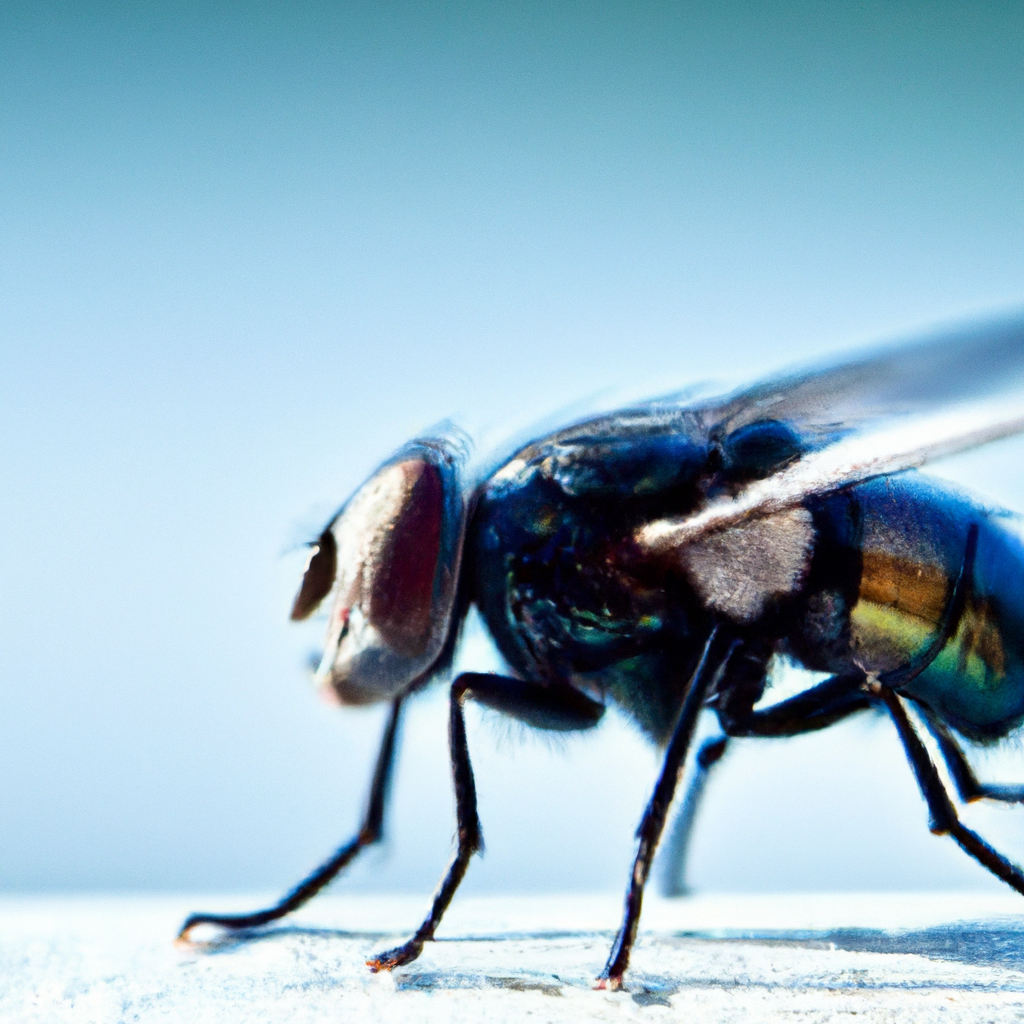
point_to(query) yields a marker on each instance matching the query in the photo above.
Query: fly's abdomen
(913, 542)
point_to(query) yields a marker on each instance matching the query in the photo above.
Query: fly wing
(906, 444)
(890, 411)
(830, 402)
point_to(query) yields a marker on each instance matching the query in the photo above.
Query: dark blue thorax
(548, 547)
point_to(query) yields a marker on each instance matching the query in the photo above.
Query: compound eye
(401, 583)
(398, 547)
(318, 577)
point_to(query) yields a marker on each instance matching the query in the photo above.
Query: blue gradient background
(247, 250)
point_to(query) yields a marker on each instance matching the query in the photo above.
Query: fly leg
(944, 820)
(822, 706)
(717, 652)
(816, 709)
(967, 784)
(549, 706)
(469, 835)
(370, 832)
(673, 881)
(742, 683)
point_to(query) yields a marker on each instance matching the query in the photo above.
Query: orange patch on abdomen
(908, 587)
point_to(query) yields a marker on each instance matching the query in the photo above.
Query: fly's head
(391, 556)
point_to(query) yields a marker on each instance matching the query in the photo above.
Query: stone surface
(921, 957)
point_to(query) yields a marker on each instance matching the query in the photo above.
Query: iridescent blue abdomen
(911, 535)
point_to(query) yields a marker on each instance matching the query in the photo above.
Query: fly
(660, 557)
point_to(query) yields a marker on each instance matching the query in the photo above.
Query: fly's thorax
(396, 546)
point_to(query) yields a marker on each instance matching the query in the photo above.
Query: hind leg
(944, 820)
(966, 782)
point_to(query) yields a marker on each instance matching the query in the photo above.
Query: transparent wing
(827, 403)
(892, 410)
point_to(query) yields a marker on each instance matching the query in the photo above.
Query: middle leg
(673, 878)
(821, 706)
(817, 708)
(717, 651)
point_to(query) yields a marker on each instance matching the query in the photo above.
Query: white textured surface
(945, 957)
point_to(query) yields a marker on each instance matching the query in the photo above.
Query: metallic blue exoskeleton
(662, 557)
(567, 595)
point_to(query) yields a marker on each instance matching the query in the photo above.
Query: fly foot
(397, 957)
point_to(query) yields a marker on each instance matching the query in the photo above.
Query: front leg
(369, 832)
(469, 839)
(555, 706)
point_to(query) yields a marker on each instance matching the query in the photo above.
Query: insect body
(659, 558)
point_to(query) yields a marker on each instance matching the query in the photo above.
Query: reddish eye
(398, 543)
(402, 595)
